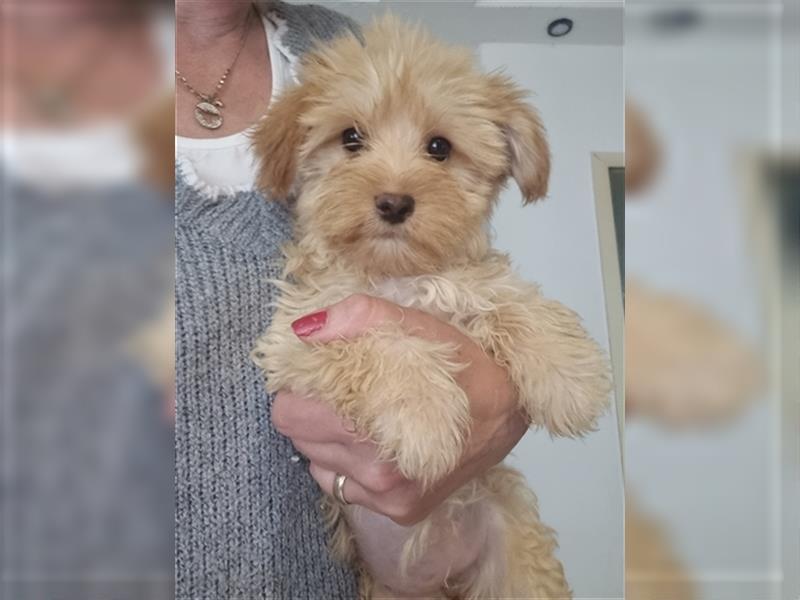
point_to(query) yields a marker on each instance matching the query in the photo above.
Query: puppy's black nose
(394, 208)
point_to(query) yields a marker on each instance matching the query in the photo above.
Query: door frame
(612, 278)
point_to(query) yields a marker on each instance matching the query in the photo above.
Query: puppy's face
(396, 150)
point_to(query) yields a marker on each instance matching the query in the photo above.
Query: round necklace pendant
(208, 114)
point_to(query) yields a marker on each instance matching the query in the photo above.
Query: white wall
(579, 91)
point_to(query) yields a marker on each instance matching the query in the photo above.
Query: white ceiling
(509, 21)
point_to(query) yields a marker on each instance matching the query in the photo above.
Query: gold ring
(338, 488)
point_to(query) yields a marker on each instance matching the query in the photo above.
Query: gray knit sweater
(247, 519)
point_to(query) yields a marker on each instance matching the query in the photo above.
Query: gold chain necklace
(208, 112)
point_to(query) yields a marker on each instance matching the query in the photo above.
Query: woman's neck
(67, 68)
(215, 37)
(201, 23)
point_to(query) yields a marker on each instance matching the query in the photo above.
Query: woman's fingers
(357, 314)
(297, 416)
(354, 492)
(483, 379)
(358, 462)
(401, 505)
(321, 436)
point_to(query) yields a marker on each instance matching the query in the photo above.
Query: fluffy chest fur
(463, 295)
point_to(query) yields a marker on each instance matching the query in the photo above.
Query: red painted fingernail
(305, 326)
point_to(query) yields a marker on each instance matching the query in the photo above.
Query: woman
(248, 523)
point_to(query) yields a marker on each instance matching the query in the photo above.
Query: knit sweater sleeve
(307, 25)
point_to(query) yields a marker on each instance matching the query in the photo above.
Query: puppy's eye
(439, 148)
(352, 140)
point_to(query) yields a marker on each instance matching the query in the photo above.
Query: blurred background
(86, 440)
(711, 325)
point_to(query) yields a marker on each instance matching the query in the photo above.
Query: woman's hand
(333, 447)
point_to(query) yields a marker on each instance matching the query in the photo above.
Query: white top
(99, 154)
(227, 164)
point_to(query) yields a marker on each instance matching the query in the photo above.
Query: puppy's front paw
(398, 389)
(569, 396)
(562, 375)
(420, 414)
(425, 433)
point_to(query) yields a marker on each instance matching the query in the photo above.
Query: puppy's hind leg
(342, 545)
(533, 571)
(519, 557)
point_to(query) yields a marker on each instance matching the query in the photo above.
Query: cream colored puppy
(393, 153)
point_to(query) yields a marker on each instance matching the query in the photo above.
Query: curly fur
(398, 90)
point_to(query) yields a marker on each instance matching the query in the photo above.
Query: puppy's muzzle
(394, 208)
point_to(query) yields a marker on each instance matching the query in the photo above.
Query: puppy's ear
(529, 153)
(277, 141)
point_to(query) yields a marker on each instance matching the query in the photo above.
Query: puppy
(393, 151)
